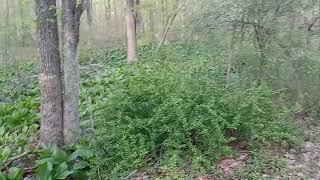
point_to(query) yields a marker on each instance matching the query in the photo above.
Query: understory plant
(175, 113)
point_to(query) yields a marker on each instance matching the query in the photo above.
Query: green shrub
(175, 112)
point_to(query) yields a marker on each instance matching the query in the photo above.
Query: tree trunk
(60, 30)
(168, 24)
(22, 26)
(6, 56)
(89, 10)
(138, 19)
(107, 9)
(232, 54)
(71, 17)
(51, 129)
(131, 31)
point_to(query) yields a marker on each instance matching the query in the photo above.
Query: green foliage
(15, 173)
(173, 107)
(19, 108)
(175, 111)
(55, 163)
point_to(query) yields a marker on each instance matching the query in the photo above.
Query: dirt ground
(304, 162)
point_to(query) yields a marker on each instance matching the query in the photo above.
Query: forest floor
(304, 162)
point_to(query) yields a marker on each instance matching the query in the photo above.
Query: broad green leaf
(80, 165)
(44, 161)
(44, 171)
(2, 177)
(81, 152)
(15, 173)
(62, 171)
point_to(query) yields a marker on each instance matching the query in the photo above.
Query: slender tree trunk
(131, 31)
(72, 13)
(51, 129)
(138, 19)
(89, 10)
(232, 54)
(107, 9)
(22, 28)
(169, 23)
(6, 41)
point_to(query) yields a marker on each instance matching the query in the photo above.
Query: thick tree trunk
(71, 17)
(49, 73)
(131, 31)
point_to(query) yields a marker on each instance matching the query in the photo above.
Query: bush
(174, 112)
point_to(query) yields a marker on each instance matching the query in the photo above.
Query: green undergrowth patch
(176, 112)
(171, 109)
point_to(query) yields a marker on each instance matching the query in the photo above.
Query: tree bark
(71, 17)
(51, 129)
(131, 31)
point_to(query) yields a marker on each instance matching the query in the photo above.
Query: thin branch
(169, 23)
(130, 175)
(312, 23)
(10, 160)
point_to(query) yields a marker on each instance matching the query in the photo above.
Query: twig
(130, 175)
(10, 160)
(29, 169)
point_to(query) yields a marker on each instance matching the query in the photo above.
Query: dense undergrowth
(173, 109)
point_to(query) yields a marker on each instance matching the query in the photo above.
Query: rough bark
(51, 129)
(131, 31)
(71, 17)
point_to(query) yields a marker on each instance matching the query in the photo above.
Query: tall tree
(72, 11)
(6, 42)
(131, 31)
(89, 10)
(49, 73)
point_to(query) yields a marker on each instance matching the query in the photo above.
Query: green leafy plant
(58, 164)
(175, 112)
